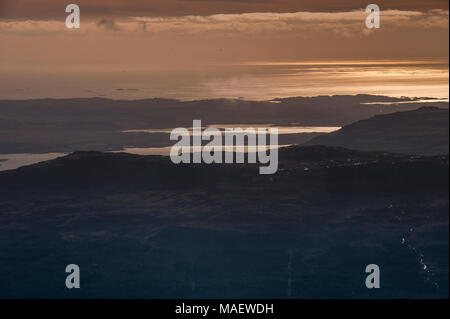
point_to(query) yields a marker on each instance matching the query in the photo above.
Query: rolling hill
(424, 131)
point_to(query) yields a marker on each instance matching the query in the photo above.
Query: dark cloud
(94, 10)
(108, 24)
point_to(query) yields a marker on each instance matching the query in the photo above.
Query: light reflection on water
(165, 151)
(251, 81)
(408, 102)
(14, 161)
(281, 129)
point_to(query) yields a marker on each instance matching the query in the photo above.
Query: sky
(95, 9)
(187, 46)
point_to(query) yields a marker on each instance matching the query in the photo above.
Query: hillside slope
(423, 131)
(142, 227)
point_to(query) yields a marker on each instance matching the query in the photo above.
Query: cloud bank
(350, 23)
(112, 9)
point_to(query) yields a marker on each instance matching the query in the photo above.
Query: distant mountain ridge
(424, 131)
(68, 125)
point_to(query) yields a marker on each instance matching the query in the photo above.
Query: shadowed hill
(424, 131)
(300, 168)
(159, 230)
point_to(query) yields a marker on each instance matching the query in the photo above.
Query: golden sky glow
(182, 41)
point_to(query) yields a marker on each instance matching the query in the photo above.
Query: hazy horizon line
(399, 98)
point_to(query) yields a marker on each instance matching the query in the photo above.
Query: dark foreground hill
(423, 131)
(140, 226)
